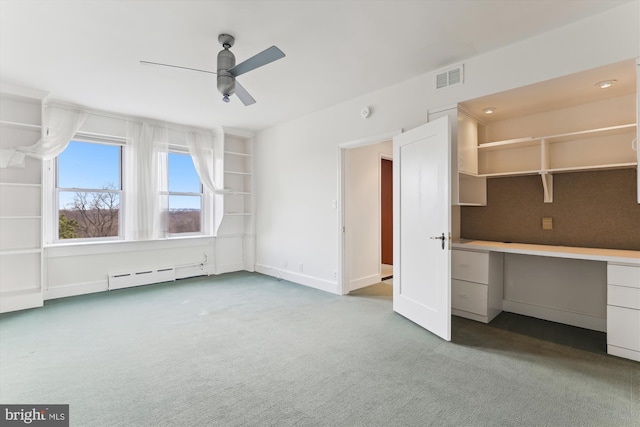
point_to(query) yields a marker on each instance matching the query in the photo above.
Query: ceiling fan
(227, 70)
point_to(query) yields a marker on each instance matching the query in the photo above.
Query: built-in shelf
(20, 252)
(536, 140)
(237, 153)
(20, 217)
(21, 126)
(20, 184)
(237, 173)
(586, 150)
(594, 167)
(237, 213)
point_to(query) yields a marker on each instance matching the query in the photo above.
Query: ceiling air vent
(450, 77)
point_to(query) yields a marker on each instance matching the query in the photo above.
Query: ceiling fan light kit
(227, 70)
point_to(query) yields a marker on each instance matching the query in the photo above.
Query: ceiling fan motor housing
(226, 81)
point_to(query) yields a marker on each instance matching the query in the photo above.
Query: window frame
(79, 137)
(168, 193)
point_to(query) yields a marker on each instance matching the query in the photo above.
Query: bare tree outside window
(94, 213)
(89, 190)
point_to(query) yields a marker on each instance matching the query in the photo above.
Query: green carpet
(244, 349)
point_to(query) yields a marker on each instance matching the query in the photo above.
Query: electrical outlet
(301, 267)
(547, 223)
(285, 263)
(335, 275)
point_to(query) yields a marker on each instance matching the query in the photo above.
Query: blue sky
(85, 165)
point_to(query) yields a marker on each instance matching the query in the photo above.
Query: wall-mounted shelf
(586, 150)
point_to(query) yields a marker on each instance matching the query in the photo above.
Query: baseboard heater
(142, 277)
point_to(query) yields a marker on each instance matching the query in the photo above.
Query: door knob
(439, 238)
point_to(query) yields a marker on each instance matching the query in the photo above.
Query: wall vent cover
(450, 77)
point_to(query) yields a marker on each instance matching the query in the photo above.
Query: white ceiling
(565, 91)
(88, 52)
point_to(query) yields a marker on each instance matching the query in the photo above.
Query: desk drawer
(468, 296)
(623, 275)
(623, 327)
(623, 296)
(470, 266)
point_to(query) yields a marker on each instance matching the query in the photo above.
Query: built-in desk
(592, 288)
(594, 254)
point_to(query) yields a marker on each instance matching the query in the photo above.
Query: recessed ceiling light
(605, 84)
(489, 110)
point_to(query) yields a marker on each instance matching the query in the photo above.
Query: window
(89, 191)
(184, 195)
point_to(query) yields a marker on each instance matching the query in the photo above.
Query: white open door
(422, 224)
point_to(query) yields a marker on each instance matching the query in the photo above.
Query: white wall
(362, 213)
(297, 163)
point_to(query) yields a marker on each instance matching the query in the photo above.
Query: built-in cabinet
(476, 284)
(623, 310)
(467, 187)
(588, 136)
(21, 222)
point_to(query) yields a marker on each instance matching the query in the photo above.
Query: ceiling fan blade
(243, 95)
(263, 58)
(176, 66)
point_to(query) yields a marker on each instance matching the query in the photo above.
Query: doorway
(361, 212)
(386, 219)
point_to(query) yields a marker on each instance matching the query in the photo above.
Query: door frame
(341, 274)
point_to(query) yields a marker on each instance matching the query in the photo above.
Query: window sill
(54, 250)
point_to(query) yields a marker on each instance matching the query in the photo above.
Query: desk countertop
(595, 254)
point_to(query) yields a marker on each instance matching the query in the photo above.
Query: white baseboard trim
(301, 279)
(554, 315)
(20, 301)
(192, 271)
(75, 289)
(364, 282)
(469, 315)
(229, 268)
(623, 352)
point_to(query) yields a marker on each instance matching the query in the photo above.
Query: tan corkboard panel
(589, 209)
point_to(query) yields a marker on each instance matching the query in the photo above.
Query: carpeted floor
(244, 349)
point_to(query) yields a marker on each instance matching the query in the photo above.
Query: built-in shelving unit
(21, 222)
(586, 150)
(238, 178)
(237, 227)
(601, 148)
(596, 135)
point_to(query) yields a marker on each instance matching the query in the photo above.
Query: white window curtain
(146, 146)
(61, 124)
(207, 153)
